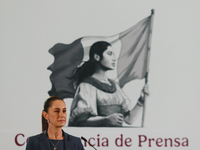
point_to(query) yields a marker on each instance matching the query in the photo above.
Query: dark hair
(48, 104)
(88, 68)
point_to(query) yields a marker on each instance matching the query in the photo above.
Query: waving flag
(131, 49)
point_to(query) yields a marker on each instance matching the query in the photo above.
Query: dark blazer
(41, 142)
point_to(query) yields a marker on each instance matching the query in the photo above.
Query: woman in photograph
(98, 100)
(53, 137)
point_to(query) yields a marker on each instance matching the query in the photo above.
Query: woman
(99, 101)
(53, 137)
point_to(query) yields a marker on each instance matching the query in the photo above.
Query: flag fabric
(131, 50)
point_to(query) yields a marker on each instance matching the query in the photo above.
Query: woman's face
(57, 114)
(108, 60)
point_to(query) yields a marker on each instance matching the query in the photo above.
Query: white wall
(29, 29)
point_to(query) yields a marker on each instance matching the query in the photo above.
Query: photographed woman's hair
(88, 68)
(47, 104)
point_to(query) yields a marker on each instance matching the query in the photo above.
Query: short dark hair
(49, 101)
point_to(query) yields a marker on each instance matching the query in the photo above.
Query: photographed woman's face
(108, 60)
(57, 114)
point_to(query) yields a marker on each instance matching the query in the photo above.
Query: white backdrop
(28, 29)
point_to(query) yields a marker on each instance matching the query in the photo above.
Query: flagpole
(148, 60)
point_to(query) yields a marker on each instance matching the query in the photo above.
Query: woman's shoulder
(72, 138)
(37, 136)
(86, 87)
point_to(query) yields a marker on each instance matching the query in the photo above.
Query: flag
(131, 50)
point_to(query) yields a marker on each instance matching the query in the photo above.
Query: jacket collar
(44, 141)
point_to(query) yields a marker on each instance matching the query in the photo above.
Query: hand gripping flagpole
(148, 59)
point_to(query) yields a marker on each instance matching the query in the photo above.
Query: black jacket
(41, 142)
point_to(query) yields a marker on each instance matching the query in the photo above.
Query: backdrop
(29, 29)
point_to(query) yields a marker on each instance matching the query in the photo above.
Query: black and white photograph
(80, 70)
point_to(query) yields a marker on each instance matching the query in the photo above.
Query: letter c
(16, 139)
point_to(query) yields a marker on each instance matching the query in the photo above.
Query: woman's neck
(100, 74)
(55, 133)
